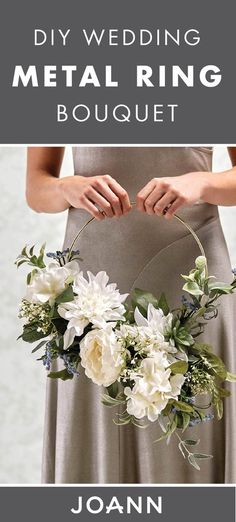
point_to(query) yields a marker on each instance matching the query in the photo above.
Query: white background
(22, 379)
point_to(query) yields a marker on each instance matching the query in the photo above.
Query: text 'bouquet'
(145, 355)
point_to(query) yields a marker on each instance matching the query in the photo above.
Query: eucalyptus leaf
(191, 442)
(170, 428)
(193, 462)
(180, 445)
(179, 367)
(202, 456)
(183, 406)
(123, 418)
(111, 401)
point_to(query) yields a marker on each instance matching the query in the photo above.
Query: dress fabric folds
(81, 442)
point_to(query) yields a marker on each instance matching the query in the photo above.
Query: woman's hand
(164, 196)
(102, 196)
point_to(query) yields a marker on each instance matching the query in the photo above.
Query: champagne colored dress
(81, 442)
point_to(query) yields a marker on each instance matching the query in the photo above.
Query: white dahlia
(95, 302)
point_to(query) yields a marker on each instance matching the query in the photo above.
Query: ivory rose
(102, 356)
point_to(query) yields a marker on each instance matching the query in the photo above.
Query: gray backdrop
(205, 115)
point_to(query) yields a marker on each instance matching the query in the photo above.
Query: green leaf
(162, 303)
(31, 250)
(38, 346)
(180, 445)
(167, 409)
(219, 409)
(170, 428)
(192, 288)
(179, 367)
(20, 262)
(223, 392)
(183, 406)
(113, 390)
(182, 336)
(142, 299)
(202, 456)
(230, 377)
(138, 423)
(218, 285)
(200, 263)
(201, 348)
(191, 442)
(216, 365)
(62, 374)
(111, 401)
(31, 335)
(24, 251)
(123, 420)
(193, 462)
(186, 420)
(66, 296)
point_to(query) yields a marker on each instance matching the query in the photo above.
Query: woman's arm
(43, 193)
(47, 192)
(178, 191)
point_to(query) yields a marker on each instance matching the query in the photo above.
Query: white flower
(152, 331)
(68, 338)
(156, 322)
(47, 283)
(102, 356)
(96, 302)
(154, 386)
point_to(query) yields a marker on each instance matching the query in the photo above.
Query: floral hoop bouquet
(146, 356)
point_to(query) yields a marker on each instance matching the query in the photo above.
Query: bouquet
(146, 356)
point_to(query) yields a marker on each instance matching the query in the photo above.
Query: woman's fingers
(88, 205)
(102, 202)
(160, 197)
(178, 203)
(113, 193)
(143, 195)
(121, 193)
(163, 203)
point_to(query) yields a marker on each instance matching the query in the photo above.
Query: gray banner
(183, 90)
(64, 504)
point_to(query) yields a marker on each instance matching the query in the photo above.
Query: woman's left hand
(164, 196)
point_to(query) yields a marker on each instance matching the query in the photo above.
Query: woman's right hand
(102, 195)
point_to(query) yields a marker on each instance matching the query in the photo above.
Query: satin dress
(81, 442)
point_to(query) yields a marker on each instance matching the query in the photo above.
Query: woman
(81, 443)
